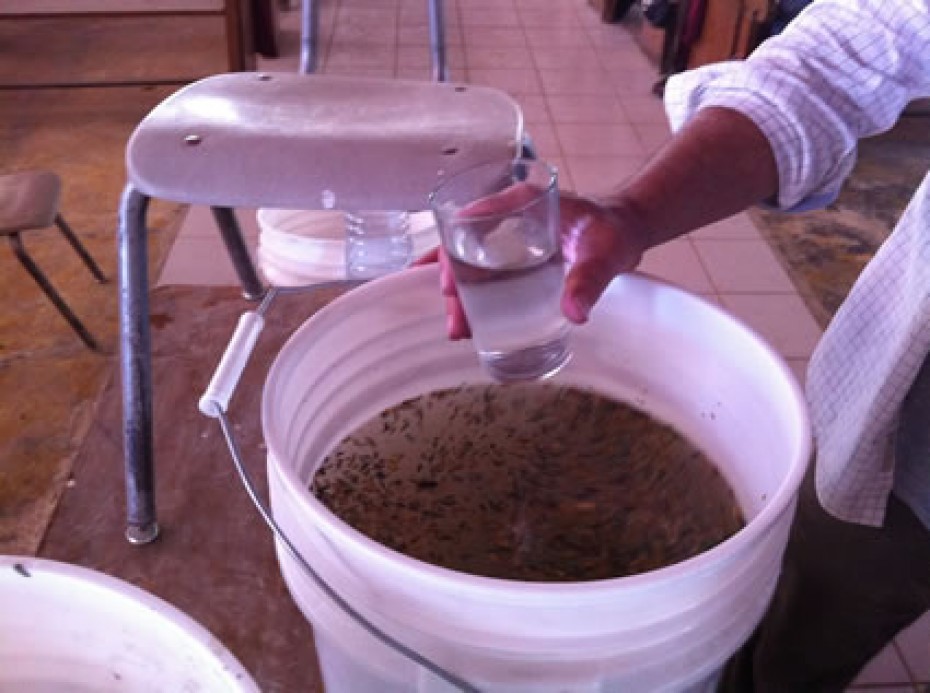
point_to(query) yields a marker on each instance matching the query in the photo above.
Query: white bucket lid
(298, 247)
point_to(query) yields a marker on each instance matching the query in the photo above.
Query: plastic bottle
(377, 243)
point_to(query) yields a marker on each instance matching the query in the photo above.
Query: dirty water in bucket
(530, 482)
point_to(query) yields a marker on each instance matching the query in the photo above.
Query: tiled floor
(584, 87)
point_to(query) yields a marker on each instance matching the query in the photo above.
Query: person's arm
(841, 71)
(781, 127)
(719, 164)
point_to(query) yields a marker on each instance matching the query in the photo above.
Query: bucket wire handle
(213, 403)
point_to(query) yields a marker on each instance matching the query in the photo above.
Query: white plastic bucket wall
(67, 629)
(670, 353)
(298, 247)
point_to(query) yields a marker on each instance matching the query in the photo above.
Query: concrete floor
(61, 483)
(49, 381)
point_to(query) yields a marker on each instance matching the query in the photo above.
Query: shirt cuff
(730, 85)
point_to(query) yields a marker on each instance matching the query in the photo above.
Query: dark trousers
(844, 592)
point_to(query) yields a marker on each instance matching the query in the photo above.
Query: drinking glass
(499, 226)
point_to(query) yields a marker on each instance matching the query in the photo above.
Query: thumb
(585, 282)
(599, 247)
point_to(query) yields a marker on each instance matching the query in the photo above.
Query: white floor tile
(596, 175)
(368, 28)
(885, 668)
(374, 71)
(199, 223)
(625, 58)
(781, 319)
(496, 57)
(565, 58)
(348, 57)
(574, 81)
(644, 109)
(739, 227)
(418, 35)
(678, 263)
(494, 16)
(512, 81)
(585, 108)
(556, 37)
(545, 141)
(201, 262)
(492, 36)
(914, 644)
(535, 109)
(653, 136)
(627, 80)
(608, 37)
(489, 4)
(743, 265)
(413, 55)
(425, 74)
(543, 17)
(417, 13)
(599, 139)
(369, 16)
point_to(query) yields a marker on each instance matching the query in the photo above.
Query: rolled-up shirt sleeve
(842, 70)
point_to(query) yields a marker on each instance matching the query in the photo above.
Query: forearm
(719, 164)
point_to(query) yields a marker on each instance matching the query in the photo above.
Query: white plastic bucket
(67, 629)
(296, 247)
(670, 353)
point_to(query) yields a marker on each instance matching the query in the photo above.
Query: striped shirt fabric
(844, 70)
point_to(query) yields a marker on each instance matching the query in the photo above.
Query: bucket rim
(75, 576)
(426, 279)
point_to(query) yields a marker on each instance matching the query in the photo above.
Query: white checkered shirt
(844, 70)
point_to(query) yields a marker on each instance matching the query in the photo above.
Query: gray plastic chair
(28, 201)
(286, 141)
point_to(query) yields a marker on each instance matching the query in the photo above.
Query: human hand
(598, 243)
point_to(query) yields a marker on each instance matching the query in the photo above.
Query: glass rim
(550, 184)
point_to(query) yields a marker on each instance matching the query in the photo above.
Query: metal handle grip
(226, 378)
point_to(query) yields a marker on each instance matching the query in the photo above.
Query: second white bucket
(672, 354)
(297, 247)
(69, 629)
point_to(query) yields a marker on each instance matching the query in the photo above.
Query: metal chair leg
(136, 368)
(437, 42)
(27, 262)
(136, 352)
(252, 287)
(309, 31)
(79, 249)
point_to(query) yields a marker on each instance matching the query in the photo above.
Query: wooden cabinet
(730, 29)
